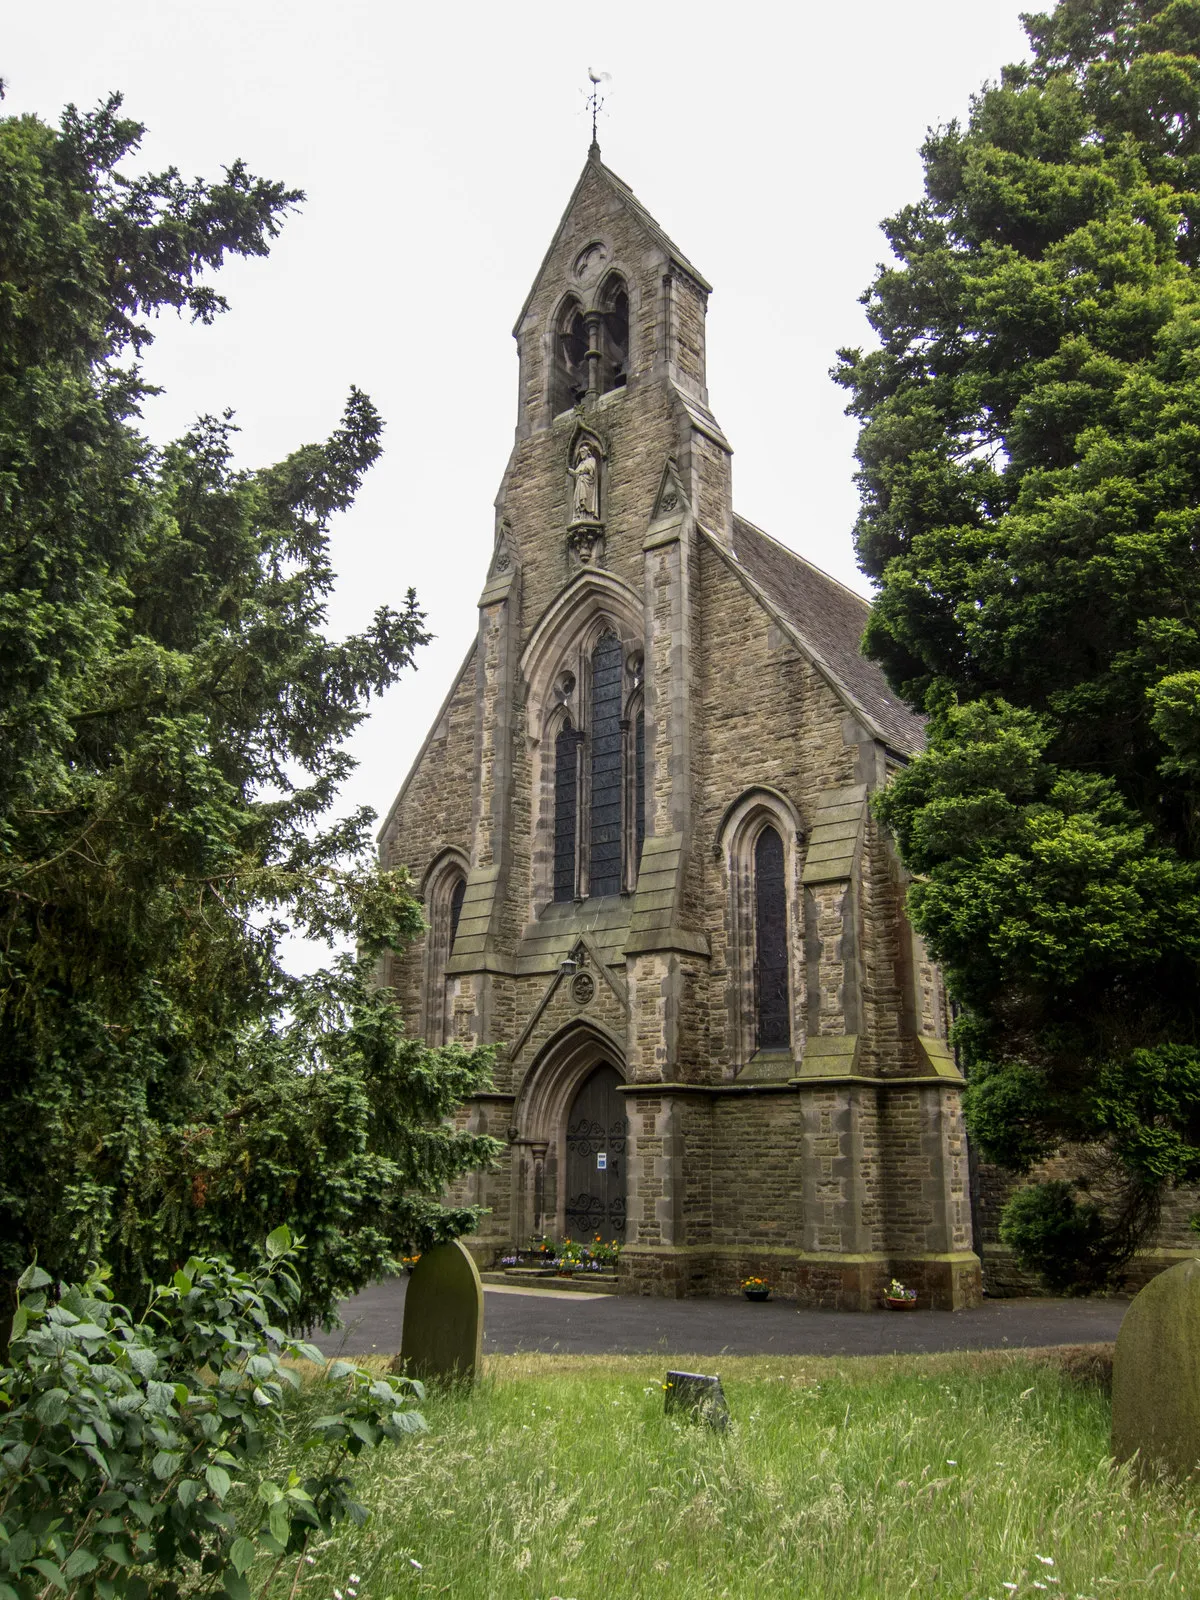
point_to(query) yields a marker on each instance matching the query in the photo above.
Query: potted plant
(409, 1262)
(756, 1288)
(897, 1298)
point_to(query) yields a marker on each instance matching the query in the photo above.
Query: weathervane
(595, 101)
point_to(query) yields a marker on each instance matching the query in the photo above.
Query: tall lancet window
(566, 811)
(570, 357)
(614, 303)
(604, 859)
(456, 903)
(445, 890)
(639, 786)
(770, 943)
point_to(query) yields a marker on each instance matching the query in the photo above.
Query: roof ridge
(796, 556)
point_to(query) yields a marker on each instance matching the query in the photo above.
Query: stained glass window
(770, 943)
(456, 900)
(604, 859)
(565, 812)
(639, 787)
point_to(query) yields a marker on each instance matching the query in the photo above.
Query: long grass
(974, 1476)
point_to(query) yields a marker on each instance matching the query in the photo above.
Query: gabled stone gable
(757, 710)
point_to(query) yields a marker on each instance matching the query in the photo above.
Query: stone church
(642, 833)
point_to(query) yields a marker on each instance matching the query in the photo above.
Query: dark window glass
(639, 787)
(571, 365)
(604, 860)
(770, 943)
(565, 811)
(616, 340)
(456, 900)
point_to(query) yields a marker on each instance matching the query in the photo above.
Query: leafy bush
(1052, 1232)
(141, 1458)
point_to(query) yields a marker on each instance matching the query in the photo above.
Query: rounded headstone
(1156, 1375)
(442, 1339)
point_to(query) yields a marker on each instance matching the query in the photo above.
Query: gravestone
(1156, 1375)
(698, 1397)
(442, 1339)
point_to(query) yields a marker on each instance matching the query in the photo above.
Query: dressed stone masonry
(641, 826)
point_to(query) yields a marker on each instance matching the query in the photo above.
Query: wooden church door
(596, 1137)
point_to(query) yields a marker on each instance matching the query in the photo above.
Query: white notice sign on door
(601, 1161)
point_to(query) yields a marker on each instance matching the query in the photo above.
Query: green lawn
(961, 1475)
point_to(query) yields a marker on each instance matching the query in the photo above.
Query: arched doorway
(597, 1134)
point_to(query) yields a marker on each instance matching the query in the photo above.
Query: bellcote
(615, 304)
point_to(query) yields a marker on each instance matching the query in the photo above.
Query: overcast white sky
(438, 145)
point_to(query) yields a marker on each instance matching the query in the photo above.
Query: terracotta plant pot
(757, 1294)
(899, 1305)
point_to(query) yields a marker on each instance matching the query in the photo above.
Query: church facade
(642, 833)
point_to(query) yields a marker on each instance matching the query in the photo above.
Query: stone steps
(539, 1278)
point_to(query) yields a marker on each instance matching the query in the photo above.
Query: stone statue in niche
(585, 476)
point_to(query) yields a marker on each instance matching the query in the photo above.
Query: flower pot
(900, 1305)
(757, 1294)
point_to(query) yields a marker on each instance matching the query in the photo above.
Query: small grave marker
(698, 1396)
(1156, 1375)
(442, 1339)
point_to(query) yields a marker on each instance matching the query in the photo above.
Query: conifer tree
(172, 721)
(1030, 478)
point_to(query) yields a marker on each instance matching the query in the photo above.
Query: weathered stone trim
(837, 835)
(939, 1054)
(823, 1051)
(788, 1086)
(596, 963)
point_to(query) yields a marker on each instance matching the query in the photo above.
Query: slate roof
(828, 621)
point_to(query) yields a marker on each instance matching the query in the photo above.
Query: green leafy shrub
(1064, 1238)
(143, 1458)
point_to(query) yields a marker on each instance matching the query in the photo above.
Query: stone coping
(791, 1086)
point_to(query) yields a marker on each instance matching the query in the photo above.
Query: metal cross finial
(595, 101)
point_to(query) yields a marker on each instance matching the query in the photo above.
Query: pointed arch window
(570, 357)
(566, 811)
(762, 844)
(599, 779)
(614, 357)
(604, 841)
(444, 897)
(771, 943)
(639, 784)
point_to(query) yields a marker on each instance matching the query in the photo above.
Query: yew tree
(1030, 479)
(173, 717)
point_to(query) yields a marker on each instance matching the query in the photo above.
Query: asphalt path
(578, 1324)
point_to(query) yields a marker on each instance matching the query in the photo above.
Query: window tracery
(570, 356)
(596, 750)
(590, 345)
